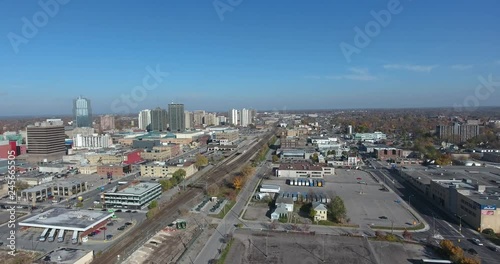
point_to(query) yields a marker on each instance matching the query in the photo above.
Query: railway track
(168, 212)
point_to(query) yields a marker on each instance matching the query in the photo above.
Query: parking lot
(208, 206)
(366, 202)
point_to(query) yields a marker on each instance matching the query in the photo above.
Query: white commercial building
(144, 119)
(246, 117)
(133, 197)
(92, 142)
(297, 170)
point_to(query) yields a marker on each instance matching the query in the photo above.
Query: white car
(477, 242)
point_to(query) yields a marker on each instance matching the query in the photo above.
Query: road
(443, 226)
(227, 225)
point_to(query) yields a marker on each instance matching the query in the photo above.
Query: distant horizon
(312, 110)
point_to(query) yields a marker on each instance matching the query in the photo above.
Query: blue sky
(261, 54)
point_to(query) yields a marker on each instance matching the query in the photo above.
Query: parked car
(493, 248)
(118, 211)
(109, 237)
(121, 228)
(134, 211)
(110, 224)
(128, 211)
(128, 223)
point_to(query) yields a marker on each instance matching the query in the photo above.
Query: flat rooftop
(61, 218)
(63, 256)
(300, 166)
(138, 189)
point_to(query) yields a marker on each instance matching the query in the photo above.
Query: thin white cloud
(410, 67)
(462, 67)
(355, 74)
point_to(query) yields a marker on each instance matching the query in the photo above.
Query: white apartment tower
(144, 119)
(233, 117)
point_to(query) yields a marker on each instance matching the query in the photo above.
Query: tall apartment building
(199, 118)
(458, 132)
(210, 119)
(107, 122)
(246, 117)
(176, 117)
(144, 119)
(189, 119)
(234, 117)
(82, 112)
(46, 140)
(159, 119)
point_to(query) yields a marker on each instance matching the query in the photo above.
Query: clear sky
(263, 54)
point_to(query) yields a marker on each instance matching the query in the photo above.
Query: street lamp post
(409, 200)
(460, 225)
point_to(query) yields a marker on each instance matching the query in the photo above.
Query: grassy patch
(227, 207)
(330, 223)
(223, 256)
(417, 227)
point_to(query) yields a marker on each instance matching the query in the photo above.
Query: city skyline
(305, 55)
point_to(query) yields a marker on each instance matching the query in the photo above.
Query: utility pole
(409, 200)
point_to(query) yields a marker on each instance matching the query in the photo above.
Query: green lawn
(417, 227)
(223, 257)
(227, 207)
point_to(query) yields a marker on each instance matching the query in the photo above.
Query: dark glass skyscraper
(82, 112)
(176, 117)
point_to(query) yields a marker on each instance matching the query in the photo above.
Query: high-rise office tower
(145, 119)
(46, 140)
(176, 117)
(82, 112)
(233, 117)
(107, 122)
(159, 119)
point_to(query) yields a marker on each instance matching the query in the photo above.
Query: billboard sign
(488, 207)
(487, 212)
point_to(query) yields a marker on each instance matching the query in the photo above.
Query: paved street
(227, 225)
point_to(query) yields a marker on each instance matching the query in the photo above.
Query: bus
(44, 234)
(52, 235)
(60, 237)
(74, 239)
(435, 261)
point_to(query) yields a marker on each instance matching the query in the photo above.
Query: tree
(315, 158)
(247, 170)
(312, 213)
(153, 204)
(21, 185)
(166, 185)
(337, 209)
(201, 161)
(275, 158)
(237, 182)
(213, 190)
(179, 175)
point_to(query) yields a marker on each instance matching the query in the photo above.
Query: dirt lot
(249, 247)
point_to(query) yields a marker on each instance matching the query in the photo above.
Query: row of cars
(216, 206)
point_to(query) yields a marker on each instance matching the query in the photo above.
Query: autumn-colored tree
(247, 171)
(467, 260)
(446, 245)
(238, 182)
